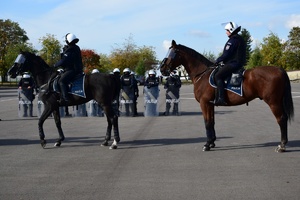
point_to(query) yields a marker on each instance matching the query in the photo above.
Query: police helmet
(231, 27)
(126, 70)
(116, 70)
(26, 75)
(151, 72)
(95, 71)
(70, 37)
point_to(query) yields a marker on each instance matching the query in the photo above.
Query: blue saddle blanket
(237, 89)
(76, 87)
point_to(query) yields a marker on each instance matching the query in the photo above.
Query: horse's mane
(195, 54)
(34, 56)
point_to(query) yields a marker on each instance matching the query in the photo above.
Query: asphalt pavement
(157, 158)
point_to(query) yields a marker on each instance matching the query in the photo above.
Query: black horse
(104, 88)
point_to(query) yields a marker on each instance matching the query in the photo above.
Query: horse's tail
(288, 104)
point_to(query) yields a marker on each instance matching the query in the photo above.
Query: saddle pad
(235, 89)
(77, 87)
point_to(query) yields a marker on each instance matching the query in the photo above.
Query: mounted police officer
(71, 62)
(233, 58)
(173, 84)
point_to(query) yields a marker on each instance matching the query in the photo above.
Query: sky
(103, 25)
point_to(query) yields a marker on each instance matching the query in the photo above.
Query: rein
(201, 74)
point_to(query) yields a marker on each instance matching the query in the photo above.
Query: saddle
(233, 83)
(75, 87)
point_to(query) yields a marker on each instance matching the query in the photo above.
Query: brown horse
(104, 88)
(268, 83)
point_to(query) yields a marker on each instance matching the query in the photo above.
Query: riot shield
(25, 102)
(79, 110)
(172, 103)
(151, 101)
(93, 109)
(40, 107)
(126, 102)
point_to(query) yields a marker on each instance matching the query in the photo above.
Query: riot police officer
(136, 93)
(172, 86)
(151, 80)
(26, 85)
(127, 86)
(71, 62)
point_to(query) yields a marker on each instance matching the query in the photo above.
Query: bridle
(168, 60)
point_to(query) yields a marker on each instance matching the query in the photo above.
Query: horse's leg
(108, 130)
(46, 113)
(208, 111)
(282, 121)
(58, 126)
(112, 120)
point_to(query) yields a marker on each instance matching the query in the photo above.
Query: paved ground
(158, 158)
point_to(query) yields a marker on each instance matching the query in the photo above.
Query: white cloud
(166, 45)
(293, 21)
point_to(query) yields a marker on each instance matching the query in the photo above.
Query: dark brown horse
(103, 88)
(267, 83)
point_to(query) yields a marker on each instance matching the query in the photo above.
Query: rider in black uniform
(233, 58)
(71, 62)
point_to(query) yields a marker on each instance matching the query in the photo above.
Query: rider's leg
(63, 82)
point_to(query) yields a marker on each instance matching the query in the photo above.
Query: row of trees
(272, 51)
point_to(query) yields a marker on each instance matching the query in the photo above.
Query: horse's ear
(173, 43)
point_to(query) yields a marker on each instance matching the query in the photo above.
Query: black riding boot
(219, 101)
(64, 100)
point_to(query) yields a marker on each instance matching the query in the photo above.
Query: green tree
(291, 54)
(272, 50)
(247, 37)
(105, 63)
(11, 36)
(129, 55)
(255, 59)
(51, 49)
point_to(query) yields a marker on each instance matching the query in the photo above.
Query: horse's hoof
(206, 148)
(57, 144)
(105, 143)
(212, 145)
(43, 143)
(113, 146)
(280, 149)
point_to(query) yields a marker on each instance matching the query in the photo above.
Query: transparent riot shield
(25, 102)
(151, 101)
(172, 104)
(93, 109)
(126, 102)
(40, 107)
(79, 110)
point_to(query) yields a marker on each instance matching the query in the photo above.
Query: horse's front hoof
(104, 144)
(57, 144)
(43, 143)
(113, 146)
(212, 145)
(280, 149)
(206, 148)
